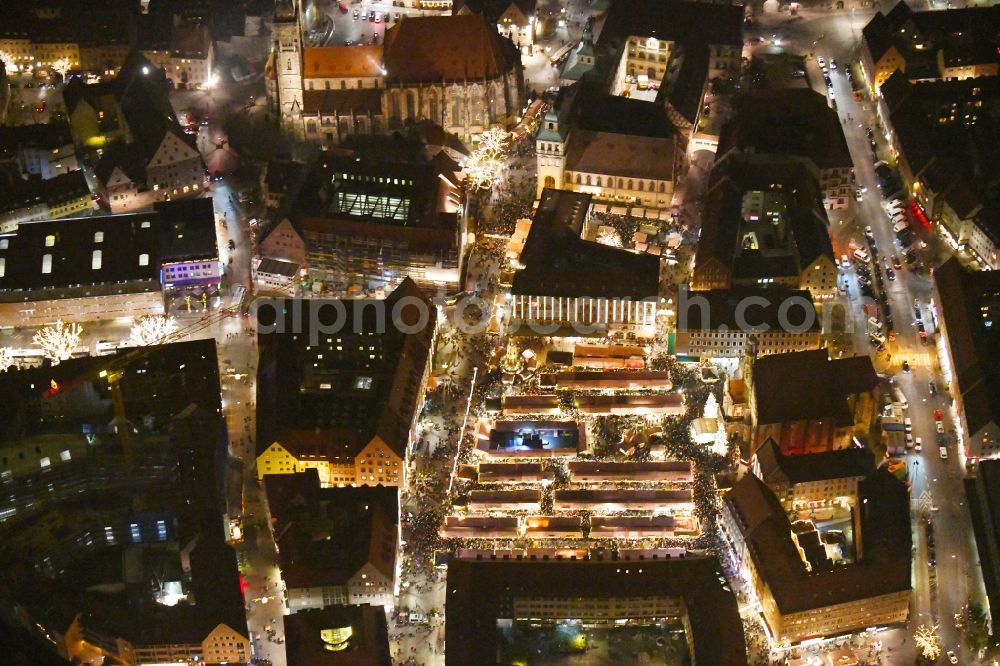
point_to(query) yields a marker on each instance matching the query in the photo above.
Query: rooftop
(807, 385)
(884, 565)
(156, 387)
(764, 217)
(424, 49)
(326, 535)
(186, 229)
(681, 21)
(845, 463)
(724, 310)
(787, 122)
(36, 191)
(330, 392)
(557, 262)
(482, 591)
(67, 254)
(338, 636)
(963, 36)
(342, 62)
(969, 303)
(46, 136)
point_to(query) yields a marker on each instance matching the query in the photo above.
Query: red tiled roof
(333, 62)
(446, 48)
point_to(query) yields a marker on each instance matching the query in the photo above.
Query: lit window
(65, 456)
(50, 240)
(95, 260)
(145, 225)
(4, 243)
(98, 236)
(46, 263)
(144, 259)
(3, 266)
(45, 462)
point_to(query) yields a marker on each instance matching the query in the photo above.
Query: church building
(420, 72)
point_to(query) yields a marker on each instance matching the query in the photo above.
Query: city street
(942, 590)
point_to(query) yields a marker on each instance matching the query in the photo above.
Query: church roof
(425, 49)
(332, 62)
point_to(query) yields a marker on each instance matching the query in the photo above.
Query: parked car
(939, 426)
(943, 452)
(919, 446)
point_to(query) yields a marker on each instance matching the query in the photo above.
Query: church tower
(550, 153)
(288, 60)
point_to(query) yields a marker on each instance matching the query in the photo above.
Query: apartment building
(814, 479)
(345, 403)
(965, 305)
(930, 45)
(803, 598)
(353, 560)
(765, 225)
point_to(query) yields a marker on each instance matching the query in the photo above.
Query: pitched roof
(333, 62)
(51, 135)
(807, 385)
(557, 262)
(493, 9)
(330, 399)
(53, 191)
(342, 102)
(803, 238)
(327, 535)
(681, 21)
(621, 155)
(724, 309)
(425, 49)
(882, 568)
(844, 463)
(593, 109)
(788, 121)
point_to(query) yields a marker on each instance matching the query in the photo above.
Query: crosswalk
(915, 359)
